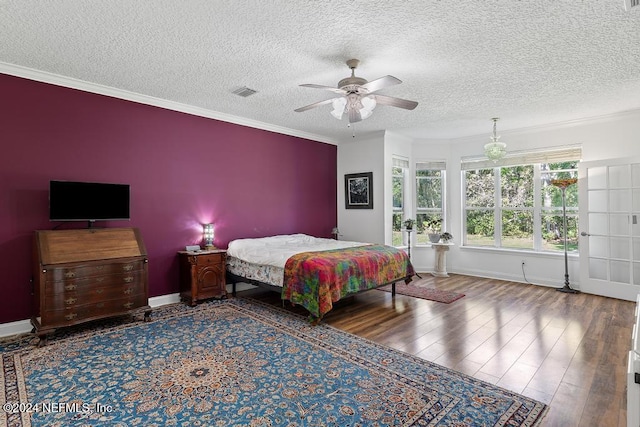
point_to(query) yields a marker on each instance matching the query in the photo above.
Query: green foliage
(516, 184)
(428, 189)
(398, 188)
(517, 223)
(397, 222)
(480, 222)
(480, 188)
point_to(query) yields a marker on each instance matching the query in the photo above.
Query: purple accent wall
(183, 170)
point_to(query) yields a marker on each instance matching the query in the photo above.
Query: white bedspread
(276, 250)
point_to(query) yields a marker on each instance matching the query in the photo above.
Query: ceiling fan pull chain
(353, 129)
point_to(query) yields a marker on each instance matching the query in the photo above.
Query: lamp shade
(495, 150)
(338, 107)
(208, 235)
(368, 104)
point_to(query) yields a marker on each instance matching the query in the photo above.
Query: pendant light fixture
(495, 150)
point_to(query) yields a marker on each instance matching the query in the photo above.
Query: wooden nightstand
(202, 275)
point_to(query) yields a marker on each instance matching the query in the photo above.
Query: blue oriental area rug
(238, 362)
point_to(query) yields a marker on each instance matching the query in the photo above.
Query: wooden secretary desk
(88, 274)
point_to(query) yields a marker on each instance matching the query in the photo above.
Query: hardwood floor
(566, 350)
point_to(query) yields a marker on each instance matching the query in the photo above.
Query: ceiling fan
(357, 96)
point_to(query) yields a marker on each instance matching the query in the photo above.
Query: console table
(440, 269)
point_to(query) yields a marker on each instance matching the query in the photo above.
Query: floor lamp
(562, 184)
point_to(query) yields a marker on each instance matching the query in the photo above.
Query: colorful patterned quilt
(315, 280)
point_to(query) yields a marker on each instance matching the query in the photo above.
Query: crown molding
(555, 126)
(70, 82)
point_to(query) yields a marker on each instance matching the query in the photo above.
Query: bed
(315, 272)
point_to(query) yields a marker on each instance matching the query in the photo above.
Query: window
(430, 181)
(515, 206)
(551, 214)
(398, 174)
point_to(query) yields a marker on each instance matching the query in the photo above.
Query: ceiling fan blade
(329, 88)
(354, 115)
(381, 83)
(395, 102)
(314, 105)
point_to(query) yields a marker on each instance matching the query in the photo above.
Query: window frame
(403, 164)
(534, 159)
(440, 166)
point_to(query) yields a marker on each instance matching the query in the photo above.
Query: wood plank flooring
(566, 350)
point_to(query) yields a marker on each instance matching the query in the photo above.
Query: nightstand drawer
(210, 259)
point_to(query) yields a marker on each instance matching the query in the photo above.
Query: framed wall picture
(358, 190)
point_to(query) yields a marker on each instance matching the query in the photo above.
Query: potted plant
(408, 223)
(433, 229)
(446, 236)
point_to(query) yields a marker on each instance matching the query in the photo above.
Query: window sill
(528, 252)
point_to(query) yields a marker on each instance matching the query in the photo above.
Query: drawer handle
(128, 291)
(70, 301)
(127, 267)
(100, 305)
(99, 279)
(99, 291)
(69, 274)
(128, 305)
(71, 316)
(99, 267)
(70, 287)
(128, 279)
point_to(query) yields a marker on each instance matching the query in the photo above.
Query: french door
(609, 206)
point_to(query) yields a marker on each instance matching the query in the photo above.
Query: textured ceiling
(528, 62)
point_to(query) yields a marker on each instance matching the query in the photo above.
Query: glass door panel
(598, 224)
(619, 224)
(620, 248)
(599, 246)
(598, 200)
(620, 272)
(598, 269)
(619, 201)
(609, 197)
(619, 176)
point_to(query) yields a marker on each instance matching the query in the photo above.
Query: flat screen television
(88, 201)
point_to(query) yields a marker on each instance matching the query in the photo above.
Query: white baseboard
(164, 300)
(15, 328)
(531, 279)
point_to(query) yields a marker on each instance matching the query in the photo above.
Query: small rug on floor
(429, 293)
(240, 362)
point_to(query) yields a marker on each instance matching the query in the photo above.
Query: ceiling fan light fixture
(339, 105)
(358, 100)
(368, 104)
(495, 150)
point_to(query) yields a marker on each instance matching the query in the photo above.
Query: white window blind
(437, 165)
(400, 163)
(524, 158)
